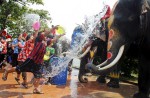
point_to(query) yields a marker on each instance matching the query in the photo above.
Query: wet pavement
(73, 89)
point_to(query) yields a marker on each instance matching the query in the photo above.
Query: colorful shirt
(39, 50)
(4, 49)
(28, 47)
(49, 51)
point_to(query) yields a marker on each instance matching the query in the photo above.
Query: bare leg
(36, 86)
(24, 77)
(5, 74)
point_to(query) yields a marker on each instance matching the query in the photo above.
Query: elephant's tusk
(87, 50)
(121, 50)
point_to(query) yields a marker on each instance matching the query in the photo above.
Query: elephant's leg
(114, 78)
(83, 70)
(101, 79)
(143, 79)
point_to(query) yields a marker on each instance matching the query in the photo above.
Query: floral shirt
(28, 47)
(4, 49)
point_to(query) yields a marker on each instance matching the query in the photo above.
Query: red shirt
(39, 50)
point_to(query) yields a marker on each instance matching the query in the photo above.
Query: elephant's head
(124, 26)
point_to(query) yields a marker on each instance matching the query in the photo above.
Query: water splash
(29, 20)
(59, 64)
(56, 65)
(86, 30)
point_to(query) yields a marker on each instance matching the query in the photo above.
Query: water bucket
(60, 79)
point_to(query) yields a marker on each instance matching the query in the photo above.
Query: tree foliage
(12, 15)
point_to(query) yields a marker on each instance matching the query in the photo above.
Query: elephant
(99, 57)
(129, 25)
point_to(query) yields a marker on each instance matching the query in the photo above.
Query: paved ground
(73, 89)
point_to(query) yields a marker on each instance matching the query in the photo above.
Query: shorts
(14, 59)
(30, 66)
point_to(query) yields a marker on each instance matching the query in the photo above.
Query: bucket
(61, 78)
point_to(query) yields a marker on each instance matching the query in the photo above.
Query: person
(104, 19)
(17, 44)
(145, 7)
(4, 49)
(34, 62)
(29, 44)
(49, 50)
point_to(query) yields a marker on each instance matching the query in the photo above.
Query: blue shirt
(15, 41)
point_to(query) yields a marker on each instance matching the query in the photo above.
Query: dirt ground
(73, 89)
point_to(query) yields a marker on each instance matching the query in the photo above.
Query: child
(49, 52)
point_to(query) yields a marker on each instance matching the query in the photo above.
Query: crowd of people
(27, 53)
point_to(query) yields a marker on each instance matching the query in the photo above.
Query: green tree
(11, 13)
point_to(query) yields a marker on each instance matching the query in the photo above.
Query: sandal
(24, 85)
(5, 74)
(35, 91)
(17, 80)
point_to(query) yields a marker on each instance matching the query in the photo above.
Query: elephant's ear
(144, 7)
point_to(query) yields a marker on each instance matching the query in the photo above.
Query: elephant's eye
(131, 18)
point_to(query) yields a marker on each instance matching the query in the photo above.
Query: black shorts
(30, 66)
(14, 59)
